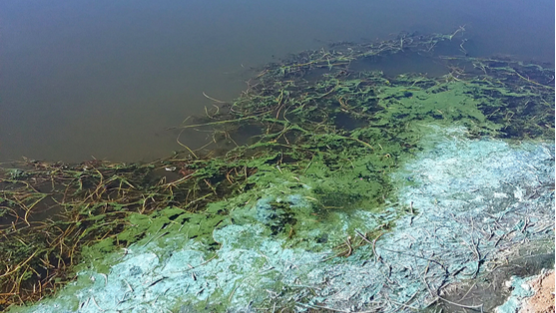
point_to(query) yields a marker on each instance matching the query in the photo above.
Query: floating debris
(355, 191)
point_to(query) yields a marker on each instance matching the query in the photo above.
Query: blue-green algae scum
(351, 192)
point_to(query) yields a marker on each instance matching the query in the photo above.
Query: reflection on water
(106, 79)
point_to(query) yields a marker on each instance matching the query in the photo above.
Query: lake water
(101, 78)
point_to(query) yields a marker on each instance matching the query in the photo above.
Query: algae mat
(354, 191)
(243, 266)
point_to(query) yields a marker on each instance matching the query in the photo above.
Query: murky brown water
(104, 78)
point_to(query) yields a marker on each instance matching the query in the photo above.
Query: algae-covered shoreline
(303, 216)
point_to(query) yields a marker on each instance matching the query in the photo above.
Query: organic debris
(328, 137)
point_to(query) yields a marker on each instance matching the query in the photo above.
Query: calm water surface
(107, 78)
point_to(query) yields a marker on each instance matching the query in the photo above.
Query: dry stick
(206, 145)
(362, 236)
(350, 249)
(313, 306)
(176, 182)
(215, 100)
(19, 266)
(186, 147)
(532, 81)
(21, 206)
(435, 294)
(229, 136)
(362, 142)
(462, 305)
(468, 291)
(377, 257)
(210, 186)
(279, 109)
(419, 257)
(100, 185)
(72, 251)
(95, 302)
(405, 304)
(217, 123)
(28, 209)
